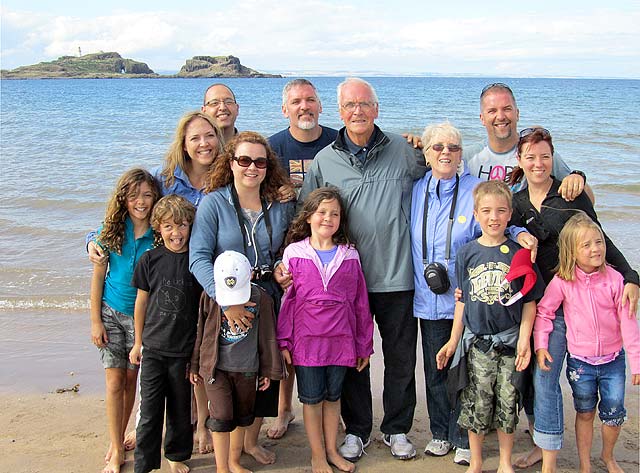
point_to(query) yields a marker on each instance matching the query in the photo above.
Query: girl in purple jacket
(324, 326)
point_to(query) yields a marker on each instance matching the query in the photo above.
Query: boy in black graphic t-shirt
(166, 316)
(492, 326)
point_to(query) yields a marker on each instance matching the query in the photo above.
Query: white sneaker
(462, 457)
(438, 448)
(352, 447)
(401, 446)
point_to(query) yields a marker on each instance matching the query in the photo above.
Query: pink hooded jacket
(597, 322)
(325, 319)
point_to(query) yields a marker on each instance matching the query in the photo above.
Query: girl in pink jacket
(324, 325)
(598, 326)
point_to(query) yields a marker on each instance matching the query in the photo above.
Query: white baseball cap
(232, 277)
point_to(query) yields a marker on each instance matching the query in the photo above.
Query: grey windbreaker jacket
(377, 196)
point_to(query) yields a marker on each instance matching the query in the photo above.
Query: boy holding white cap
(234, 363)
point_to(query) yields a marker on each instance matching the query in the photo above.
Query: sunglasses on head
(440, 147)
(500, 85)
(527, 131)
(245, 162)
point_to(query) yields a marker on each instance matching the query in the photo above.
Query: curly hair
(172, 207)
(176, 156)
(301, 229)
(111, 235)
(221, 174)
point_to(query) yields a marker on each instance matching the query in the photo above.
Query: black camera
(263, 273)
(437, 278)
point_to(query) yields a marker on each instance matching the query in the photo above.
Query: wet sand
(41, 431)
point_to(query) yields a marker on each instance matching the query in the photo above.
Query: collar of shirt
(360, 152)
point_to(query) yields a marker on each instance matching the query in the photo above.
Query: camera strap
(454, 201)
(243, 228)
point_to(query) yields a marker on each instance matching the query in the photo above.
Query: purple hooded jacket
(325, 318)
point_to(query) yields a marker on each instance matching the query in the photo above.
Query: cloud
(320, 35)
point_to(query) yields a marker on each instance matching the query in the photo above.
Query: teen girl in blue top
(124, 236)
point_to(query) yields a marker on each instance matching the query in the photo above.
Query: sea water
(63, 144)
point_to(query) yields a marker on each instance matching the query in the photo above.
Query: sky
(314, 37)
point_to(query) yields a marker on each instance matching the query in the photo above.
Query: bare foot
(203, 439)
(130, 441)
(529, 459)
(237, 468)
(280, 425)
(473, 469)
(178, 467)
(261, 455)
(115, 462)
(107, 456)
(339, 462)
(320, 465)
(612, 465)
(505, 469)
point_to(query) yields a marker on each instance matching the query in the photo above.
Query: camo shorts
(119, 329)
(489, 401)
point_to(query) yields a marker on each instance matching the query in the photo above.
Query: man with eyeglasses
(374, 171)
(297, 145)
(499, 114)
(220, 104)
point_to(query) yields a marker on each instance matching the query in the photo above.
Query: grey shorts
(119, 328)
(489, 401)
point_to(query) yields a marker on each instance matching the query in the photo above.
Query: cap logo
(230, 281)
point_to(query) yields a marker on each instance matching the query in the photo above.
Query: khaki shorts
(489, 401)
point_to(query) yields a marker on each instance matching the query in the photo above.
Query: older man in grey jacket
(375, 172)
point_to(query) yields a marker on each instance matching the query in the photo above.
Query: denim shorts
(319, 383)
(606, 381)
(119, 328)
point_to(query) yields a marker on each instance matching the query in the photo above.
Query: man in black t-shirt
(297, 145)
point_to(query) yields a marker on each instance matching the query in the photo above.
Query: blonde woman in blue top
(124, 236)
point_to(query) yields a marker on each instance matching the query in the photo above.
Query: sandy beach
(45, 431)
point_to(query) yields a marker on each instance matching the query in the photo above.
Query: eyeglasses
(440, 147)
(246, 161)
(216, 103)
(364, 106)
(500, 85)
(527, 131)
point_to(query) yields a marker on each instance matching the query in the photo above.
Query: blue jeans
(443, 420)
(606, 380)
(319, 383)
(548, 427)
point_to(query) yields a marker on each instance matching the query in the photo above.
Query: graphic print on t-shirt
(171, 300)
(485, 281)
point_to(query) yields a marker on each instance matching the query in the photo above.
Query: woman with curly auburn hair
(221, 174)
(241, 212)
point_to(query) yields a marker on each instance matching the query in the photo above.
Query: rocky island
(218, 66)
(89, 66)
(111, 65)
